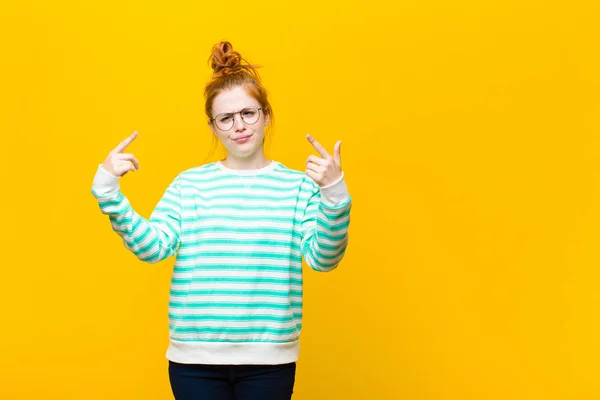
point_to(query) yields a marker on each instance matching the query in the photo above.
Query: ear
(267, 119)
(212, 128)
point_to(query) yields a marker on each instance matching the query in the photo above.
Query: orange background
(470, 146)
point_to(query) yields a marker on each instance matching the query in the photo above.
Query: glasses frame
(214, 120)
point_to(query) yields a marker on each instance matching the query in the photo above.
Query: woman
(239, 227)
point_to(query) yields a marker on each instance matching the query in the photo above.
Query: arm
(150, 240)
(325, 226)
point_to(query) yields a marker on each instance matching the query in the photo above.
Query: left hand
(326, 169)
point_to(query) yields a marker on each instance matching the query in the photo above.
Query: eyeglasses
(224, 121)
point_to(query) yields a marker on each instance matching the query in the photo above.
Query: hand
(326, 169)
(118, 163)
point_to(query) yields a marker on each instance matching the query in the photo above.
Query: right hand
(119, 163)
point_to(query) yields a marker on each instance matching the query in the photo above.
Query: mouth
(242, 139)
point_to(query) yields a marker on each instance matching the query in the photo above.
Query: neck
(256, 162)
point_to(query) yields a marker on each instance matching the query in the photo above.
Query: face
(244, 140)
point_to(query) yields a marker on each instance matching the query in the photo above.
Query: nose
(238, 123)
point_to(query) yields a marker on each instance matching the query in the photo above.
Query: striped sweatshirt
(239, 237)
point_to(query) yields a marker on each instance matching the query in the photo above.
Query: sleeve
(151, 240)
(325, 226)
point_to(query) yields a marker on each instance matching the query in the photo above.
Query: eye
(224, 118)
(249, 113)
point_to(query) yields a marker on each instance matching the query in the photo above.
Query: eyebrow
(235, 112)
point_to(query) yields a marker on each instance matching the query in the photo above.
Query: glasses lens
(224, 121)
(250, 115)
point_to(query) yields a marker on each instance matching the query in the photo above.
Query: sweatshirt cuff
(336, 193)
(104, 182)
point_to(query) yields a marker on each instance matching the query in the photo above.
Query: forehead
(233, 100)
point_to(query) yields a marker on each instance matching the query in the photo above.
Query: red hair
(230, 70)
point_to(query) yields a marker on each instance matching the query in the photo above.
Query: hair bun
(224, 60)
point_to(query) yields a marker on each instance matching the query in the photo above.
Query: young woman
(240, 228)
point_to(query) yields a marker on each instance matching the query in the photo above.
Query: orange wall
(471, 150)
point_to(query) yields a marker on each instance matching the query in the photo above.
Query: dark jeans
(232, 382)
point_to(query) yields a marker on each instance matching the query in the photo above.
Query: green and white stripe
(239, 241)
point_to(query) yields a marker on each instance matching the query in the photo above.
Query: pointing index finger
(318, 146)
(123, 145)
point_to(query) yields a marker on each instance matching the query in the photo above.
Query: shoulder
(299, 177)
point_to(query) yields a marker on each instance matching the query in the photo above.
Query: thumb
(337, 157)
